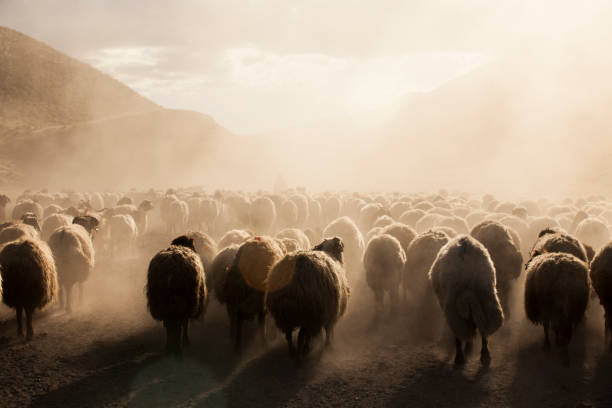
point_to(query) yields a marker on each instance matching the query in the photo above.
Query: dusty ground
(110, 353)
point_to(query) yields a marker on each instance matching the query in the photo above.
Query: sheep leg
(393, 297)
(289, 338)
(467, 349)
(608, 332)
(485, 356)
(173, 335)
(329, 334)
(459, 358)
(232, 320)
(302, 343)
(379, 296)
(546, 337)
(185, 327)
(30, 331)
(18, 310)
(80, 293)
(68, 302)
(238, 330)
(261, 326)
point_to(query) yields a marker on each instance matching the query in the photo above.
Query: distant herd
(293, 257)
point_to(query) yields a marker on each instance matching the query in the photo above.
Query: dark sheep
(29, 279)
(176, 290)
(556, 296)
(307, 290)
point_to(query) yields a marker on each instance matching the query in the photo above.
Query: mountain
(64, 124)
(531, 122)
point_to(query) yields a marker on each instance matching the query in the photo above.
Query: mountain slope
(40, 86)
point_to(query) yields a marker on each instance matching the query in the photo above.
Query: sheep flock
(296, 262)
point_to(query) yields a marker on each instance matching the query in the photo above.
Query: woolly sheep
(552, 240)
(456, 223)
(246, 283)
(288, 213)
(233, 237)
(601, 278)
(177, 216)
(296, 234)
(382, 221)
(556, 296)
(89, 222)
(403, 233)
(301, 203)
(4, 201)
(593, 232)
(204, 246)
(176, 290)
(53, 222)
(346, 229)
(383, 262)
(27, 206)
(504, 253)
(52, 209)
(262, 214)
(420, 255)
(15, 231)
(74, 258)
(123, 233)
(219, 269)
(427, 222)
(411, 217)
(307, 290)
(463, 279)
(29, 279)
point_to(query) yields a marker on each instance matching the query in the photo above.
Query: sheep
(308, 291)
(219, 269)
(346, 229)
(123, 233)
(331, 208)
(245, 284)
(31, 219)
(25, 206)
(556, 296)
(427, 222)
(505, 254)
(538, 224)
(29, 279)
(301, 203)
(382, 221)
(593, 232)
(601, 279)
(262, 212)
(53, 222)
(288, 213)
(463, 279)
(15, 231)
(456, 223)
(315, 213)
(97, 202)
(205, 247)
(420, 255)
(554, 240)
(178, 216)
(209, 211)
(125, 200)
(288, 245)
(383, 262)
(89, 222)
(411, 217)
(74, 257)
(368, 215)
(4, 201)
(52, 209)
(233, 237)
(176, 290)
(296, 234)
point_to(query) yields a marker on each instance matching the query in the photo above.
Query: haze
(469, 95)
(261, 65)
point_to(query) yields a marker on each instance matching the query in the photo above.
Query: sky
(260, 65)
